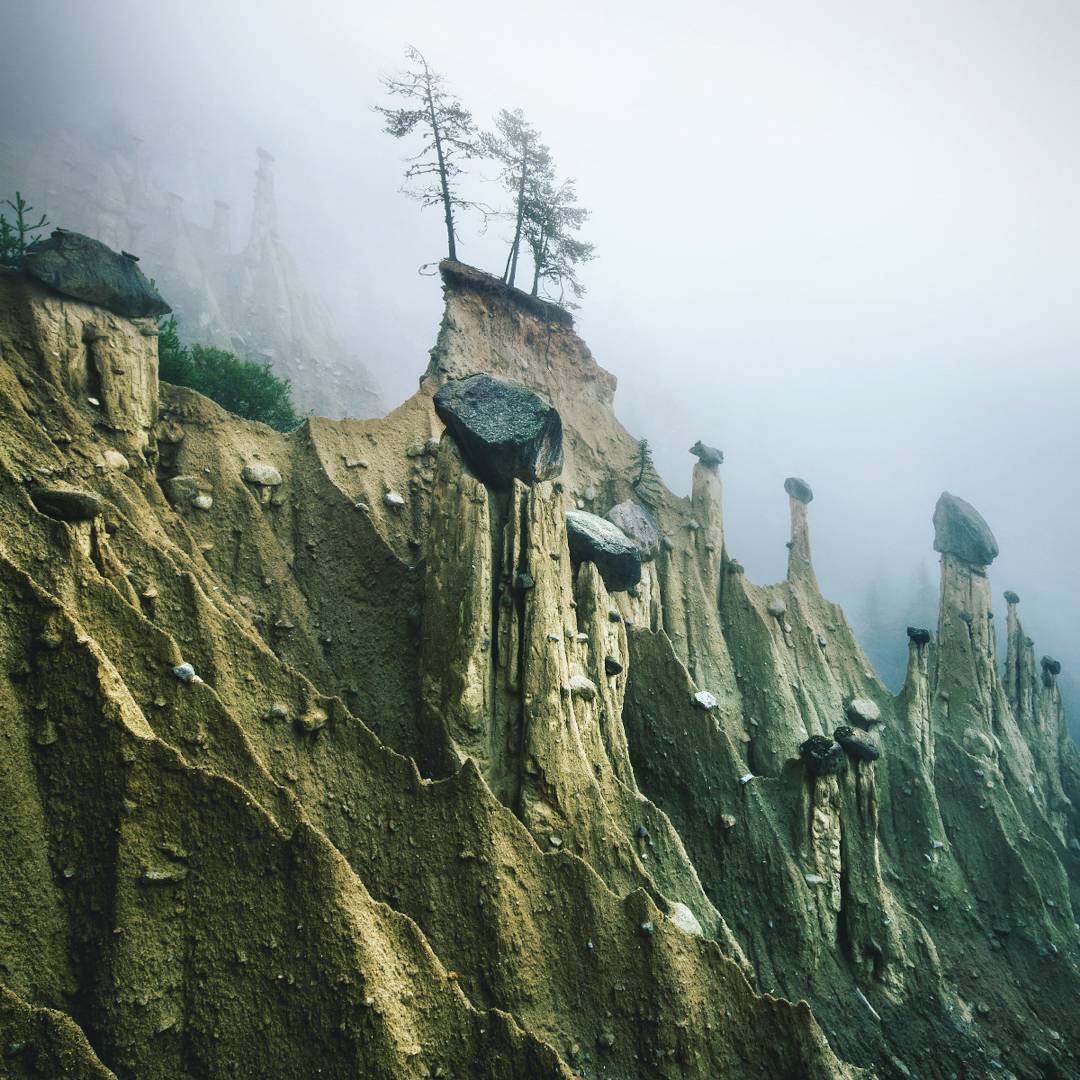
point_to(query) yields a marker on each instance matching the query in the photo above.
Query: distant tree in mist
(526, 164)
(550, 219)
(17, 235)
(447, 135)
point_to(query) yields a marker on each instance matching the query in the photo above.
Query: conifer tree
(447, 132)
(17, 236)
(642, 475)
(550, 219)
(526, 164)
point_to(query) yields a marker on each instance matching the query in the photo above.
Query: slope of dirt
(406, 822)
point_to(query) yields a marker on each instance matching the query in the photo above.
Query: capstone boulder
(595, 539)
(85, 269)
(707, 455)
(799, 490)
(960, 530)
(504, 430)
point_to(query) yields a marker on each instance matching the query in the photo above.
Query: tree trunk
(443, 182)
(520, 213)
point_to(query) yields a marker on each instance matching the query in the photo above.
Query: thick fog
(838, 240)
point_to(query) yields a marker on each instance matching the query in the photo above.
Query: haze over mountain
(838, 241)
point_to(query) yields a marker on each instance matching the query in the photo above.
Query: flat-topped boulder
(505, 431)
(960, 530)
(595, 539)
(638, 524)
(799, 490)
(85, 269)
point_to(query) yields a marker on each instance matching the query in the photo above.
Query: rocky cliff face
(325, 757)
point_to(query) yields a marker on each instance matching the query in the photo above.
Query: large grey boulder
(594, 539)
(799, 490)
(960, 530)
(503, 429)
(638, 524)
(86, 269)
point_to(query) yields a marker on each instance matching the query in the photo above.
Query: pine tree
(550, 218)
(643, 477)
(448, 135)
(16, 238)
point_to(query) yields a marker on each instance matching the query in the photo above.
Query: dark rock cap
(799, 490)
(85, 269)
(821, 756)
(1051, 666)
(960, 530)
(707, 455)
(857, 749)
(1011, 597)
(65, 504)
(594, 539)
(504, 430)
(918, 635)
(639, 525)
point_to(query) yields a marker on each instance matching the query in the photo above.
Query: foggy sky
(838, 240)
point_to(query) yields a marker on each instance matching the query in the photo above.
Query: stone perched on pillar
(822, 756)
(505, 431)
(856, 748)
(799, 490)
(85, 269)
(707, 455)
(960, 530)
(595, 539)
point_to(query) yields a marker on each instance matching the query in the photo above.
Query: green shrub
(16, 236)
(243, 387)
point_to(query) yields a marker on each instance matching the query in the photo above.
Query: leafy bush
(243, 387)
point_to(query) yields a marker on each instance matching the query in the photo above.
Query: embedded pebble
(312, 720)
(582, 687)
(186, 673)
(685, 920)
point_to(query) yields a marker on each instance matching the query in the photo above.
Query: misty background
(837, 240)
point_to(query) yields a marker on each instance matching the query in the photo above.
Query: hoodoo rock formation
(388, 749)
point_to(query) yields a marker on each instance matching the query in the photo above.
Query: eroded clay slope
(442, 797)
(219, 870)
